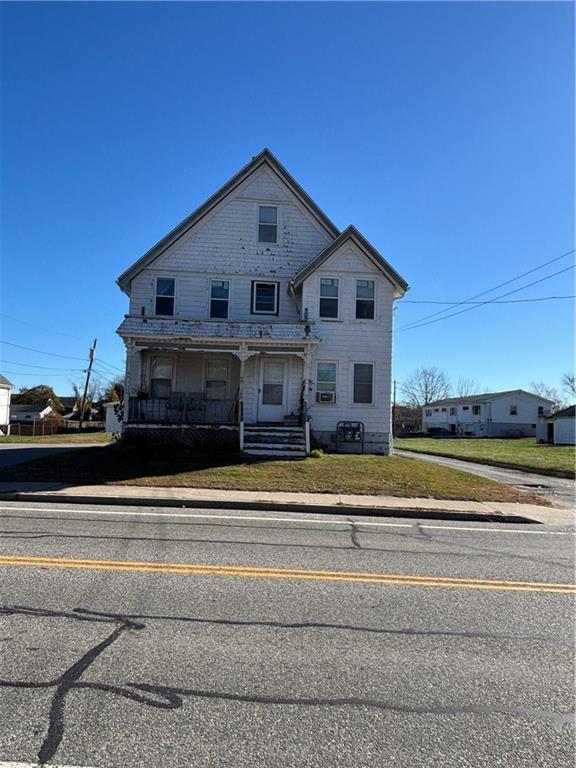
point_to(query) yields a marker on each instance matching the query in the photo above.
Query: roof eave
(351, 233)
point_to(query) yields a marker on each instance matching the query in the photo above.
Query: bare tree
(569, 383)
(550, 393)
(466, 387)
(425, 385)
(91, 396)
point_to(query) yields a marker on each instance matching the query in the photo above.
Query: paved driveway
(17, 453)
(559, 490)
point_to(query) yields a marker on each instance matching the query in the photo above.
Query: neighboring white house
(558, 428)
(5, 391)
(492, 414)
(112, 422)
(20, 412)
(257, 317)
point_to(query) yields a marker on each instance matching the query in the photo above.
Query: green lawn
(71, 437)
(525, 452)
(389, 476)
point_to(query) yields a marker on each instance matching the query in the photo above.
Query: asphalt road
(17, 453)
(205, 638)
(559, 490)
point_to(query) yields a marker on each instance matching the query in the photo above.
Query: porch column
(133, 376)
(307, 367)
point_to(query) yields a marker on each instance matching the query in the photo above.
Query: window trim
(210, 299)
(253, 309)
(258, 223)
(164, 277)
(372, 403)
(218, 359)
(356, 300)
(316, 390)
(152, 361)
(320, 297)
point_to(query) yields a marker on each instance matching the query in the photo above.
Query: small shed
(559, 428)
(113, 422)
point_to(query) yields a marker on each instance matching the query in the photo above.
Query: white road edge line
(357, 522)
(35, 765)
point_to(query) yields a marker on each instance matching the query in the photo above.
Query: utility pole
(88, 372)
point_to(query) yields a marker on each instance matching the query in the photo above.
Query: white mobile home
(513, 413)
(257, 321)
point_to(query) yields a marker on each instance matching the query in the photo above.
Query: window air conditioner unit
(325, 397)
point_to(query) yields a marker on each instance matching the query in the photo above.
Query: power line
(43, 328)
(511, 301)
(109, 365)
(39, 351)
(33, 373)
(489, 290)
(42, 367)
(490, 301)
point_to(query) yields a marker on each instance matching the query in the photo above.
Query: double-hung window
(329, 290)
(264, 298)
(326, 383)
(476, 410)
(267, 224)
(161, 378)
(513, 410)
(363, 383)
(165, 296)
(365, 299)
(219, 298)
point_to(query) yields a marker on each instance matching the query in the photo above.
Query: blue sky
(443, 131)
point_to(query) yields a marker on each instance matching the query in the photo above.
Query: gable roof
(264, 158)
(565, 413)
(351, 233)
(485, 396)
(4, 383)
(29, 407)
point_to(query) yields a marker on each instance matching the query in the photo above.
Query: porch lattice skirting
(214, 438)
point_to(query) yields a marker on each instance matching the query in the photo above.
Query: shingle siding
(224, 245)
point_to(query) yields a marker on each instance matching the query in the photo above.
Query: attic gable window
(267, 224)
(165, 296)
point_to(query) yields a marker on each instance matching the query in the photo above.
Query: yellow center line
(191, 569)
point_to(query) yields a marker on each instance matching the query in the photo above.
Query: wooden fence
(41, 427)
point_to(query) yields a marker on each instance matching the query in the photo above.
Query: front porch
(232, 386)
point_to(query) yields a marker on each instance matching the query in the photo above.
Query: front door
(272, 386)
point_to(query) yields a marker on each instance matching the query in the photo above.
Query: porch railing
(182, 409)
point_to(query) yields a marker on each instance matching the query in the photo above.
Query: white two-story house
(256, 324)
(491, 414)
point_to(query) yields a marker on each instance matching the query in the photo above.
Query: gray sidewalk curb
(263, 506)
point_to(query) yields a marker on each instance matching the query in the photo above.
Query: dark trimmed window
(267, 224)
(219, 298)
(264, 298)
(165, 287)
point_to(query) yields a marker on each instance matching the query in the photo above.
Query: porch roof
(178, 331)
